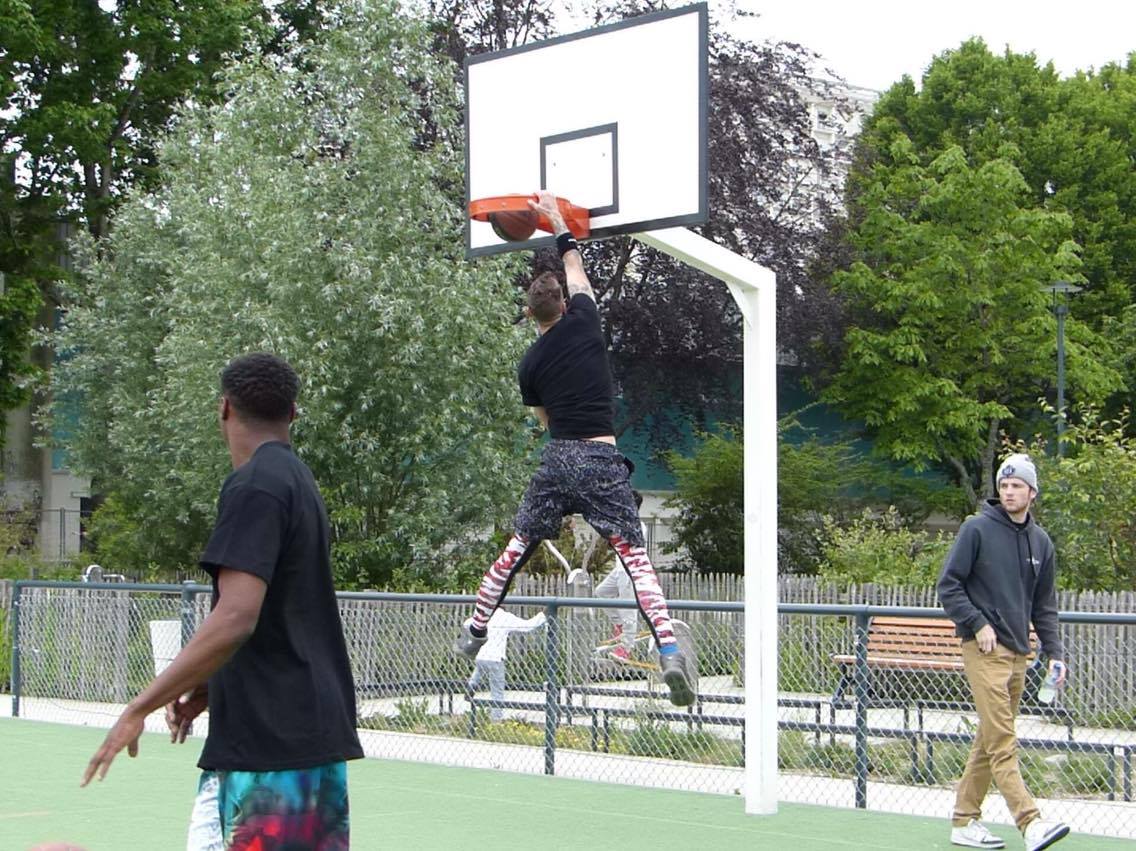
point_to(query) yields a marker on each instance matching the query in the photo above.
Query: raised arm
(511, 623)
(574, 273)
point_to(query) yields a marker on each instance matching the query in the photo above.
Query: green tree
(19, 305)
(85, 90)
(882, 549)
(820, 486)
(304, 216)
(951, 330)
(1088, 503)
(708, 495)
(1072, 140)
(1080, 160)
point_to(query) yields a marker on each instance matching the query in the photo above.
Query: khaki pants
(996, 681)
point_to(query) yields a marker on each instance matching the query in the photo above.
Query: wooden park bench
(908, 645)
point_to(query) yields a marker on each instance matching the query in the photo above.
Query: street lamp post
(1061, 291)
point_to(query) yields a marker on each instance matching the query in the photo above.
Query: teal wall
(819, 420)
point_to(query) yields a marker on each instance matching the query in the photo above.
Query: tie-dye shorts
(271, 810)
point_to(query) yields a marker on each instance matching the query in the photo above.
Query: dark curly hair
(260, 386)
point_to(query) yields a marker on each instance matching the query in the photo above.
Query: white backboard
(612, 118)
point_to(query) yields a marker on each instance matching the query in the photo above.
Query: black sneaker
(677, 677)
(467, 644)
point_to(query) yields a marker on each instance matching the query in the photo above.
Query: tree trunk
(982, 488)
(966, 482)
(986, 461)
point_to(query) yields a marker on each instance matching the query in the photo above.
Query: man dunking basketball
(566, 379)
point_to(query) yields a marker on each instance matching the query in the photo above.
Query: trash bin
(165, 639)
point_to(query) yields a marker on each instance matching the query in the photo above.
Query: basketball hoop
(513, 220)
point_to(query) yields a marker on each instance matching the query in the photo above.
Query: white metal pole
(754, 289)
(760, 411)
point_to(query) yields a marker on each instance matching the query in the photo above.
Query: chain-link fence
(874, 710)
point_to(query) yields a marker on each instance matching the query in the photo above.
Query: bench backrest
(924, 638)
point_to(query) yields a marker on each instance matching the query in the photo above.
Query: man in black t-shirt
(565, 378)
(270, 661)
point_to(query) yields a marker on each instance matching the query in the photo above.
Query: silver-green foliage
(315, 214)
(1088, 501)
(883, 549)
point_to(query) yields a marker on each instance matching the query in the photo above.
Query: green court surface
(144, 804)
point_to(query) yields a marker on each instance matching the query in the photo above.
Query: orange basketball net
(576, 218)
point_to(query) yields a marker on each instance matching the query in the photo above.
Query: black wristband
(565, 242)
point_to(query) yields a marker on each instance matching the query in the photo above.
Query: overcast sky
(873, 43)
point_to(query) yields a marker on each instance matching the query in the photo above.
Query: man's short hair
(546, 299)
(261, 386)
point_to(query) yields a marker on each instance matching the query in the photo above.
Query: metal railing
(51, 534)
(882, 740)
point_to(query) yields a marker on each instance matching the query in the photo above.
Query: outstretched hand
(124, 734)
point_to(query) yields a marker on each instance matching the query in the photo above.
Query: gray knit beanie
(1018, 466)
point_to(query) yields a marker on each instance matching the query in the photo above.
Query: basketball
(514, 225)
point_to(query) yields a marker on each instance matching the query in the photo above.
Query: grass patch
(1115, 719)
(938, 764)
(654, 738)
(1087, 775)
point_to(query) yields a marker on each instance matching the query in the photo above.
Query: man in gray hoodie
(997, 578)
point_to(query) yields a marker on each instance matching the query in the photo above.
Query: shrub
(19, 527)
(1087, 774)
(708, 495)
(881, 549)
(655, 738)
(33, 567)
(791, 750)
(815, 480)
(835, 760)
(1088, 503)
(412, 714)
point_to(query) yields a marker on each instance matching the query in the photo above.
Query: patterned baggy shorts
(271, 810)
(583, 477)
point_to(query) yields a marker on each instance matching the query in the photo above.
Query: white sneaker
(975, 835)
(1041, 834)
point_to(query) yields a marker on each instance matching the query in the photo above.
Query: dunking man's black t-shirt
(567, 373)
(286, 699)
